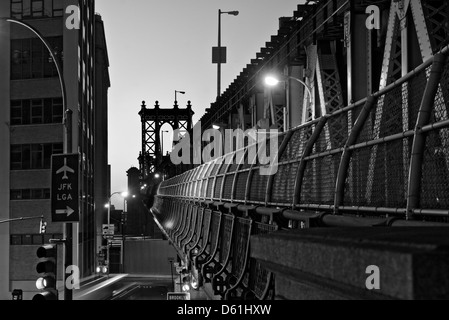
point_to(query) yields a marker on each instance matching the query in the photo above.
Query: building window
(29, 9)
(32, 239)
(30, 194)
(36, 111)
(30, 59)
(16, 9)
(37, 8)
(16, 240)
(27, 239)
(16, 112)
(38, 239)
(58, 8)
(37, 156)
(33, 156)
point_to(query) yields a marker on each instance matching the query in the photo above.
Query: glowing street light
(273, 81)
(219, 126)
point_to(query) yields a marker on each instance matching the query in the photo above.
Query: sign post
(65, 197)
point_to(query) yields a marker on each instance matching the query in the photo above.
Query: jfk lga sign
(65, 188)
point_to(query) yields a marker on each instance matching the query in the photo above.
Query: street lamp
(176, 92)
(219, 126)
(124, 194)
(273, 81)
(219, 62)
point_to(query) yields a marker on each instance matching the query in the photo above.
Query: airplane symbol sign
(65, 188)
(64, 170)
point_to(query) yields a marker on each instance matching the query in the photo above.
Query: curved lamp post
(272, 81)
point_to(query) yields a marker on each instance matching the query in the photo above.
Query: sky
(156, 47)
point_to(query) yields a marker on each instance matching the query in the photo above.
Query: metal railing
(383, 162)
(386, 154)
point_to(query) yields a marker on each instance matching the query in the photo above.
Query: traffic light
(46, 266)
(43, 227)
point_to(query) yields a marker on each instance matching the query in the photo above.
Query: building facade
(32, 114)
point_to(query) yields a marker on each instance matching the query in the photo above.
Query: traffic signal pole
(21, 219)
(68, 247)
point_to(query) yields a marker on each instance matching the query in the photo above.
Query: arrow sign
(65, 188)
(69, 211)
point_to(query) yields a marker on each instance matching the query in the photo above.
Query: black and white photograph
(228, 157)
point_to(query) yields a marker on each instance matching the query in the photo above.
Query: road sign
(217, 54)
(64, 188)
(179, 269)
(178, 296)
(108, 229)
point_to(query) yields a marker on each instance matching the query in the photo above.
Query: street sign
(179, 269)
(108, 229)
(216, 55)
(178, 296)
(64, 188)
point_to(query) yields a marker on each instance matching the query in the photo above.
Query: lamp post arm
(47, 45)
(118, 192)
(305, 85)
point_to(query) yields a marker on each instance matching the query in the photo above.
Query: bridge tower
(151, 157)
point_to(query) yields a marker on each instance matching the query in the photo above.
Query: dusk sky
(159, 46)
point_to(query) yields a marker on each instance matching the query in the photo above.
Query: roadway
(130, 287)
